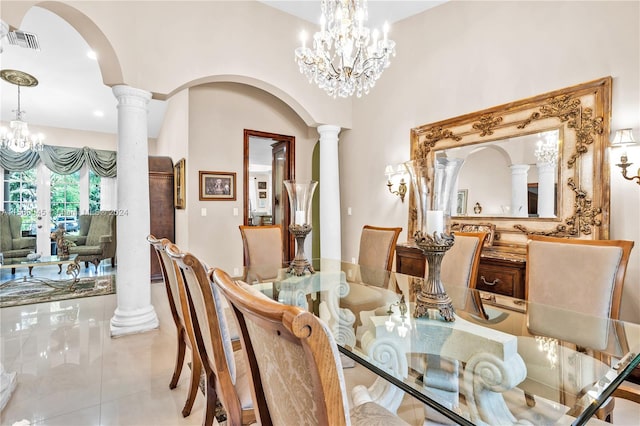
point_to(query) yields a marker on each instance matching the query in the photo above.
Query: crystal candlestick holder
(432, 294)
(433, 205)
(300, 196)
(300, 264)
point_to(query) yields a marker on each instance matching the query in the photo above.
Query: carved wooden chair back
(295, 365)
(262, 251)
(225, 371)
(178, 307)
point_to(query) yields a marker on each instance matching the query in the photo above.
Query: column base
(7, 386)
(134, 321)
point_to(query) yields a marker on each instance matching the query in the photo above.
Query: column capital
(519, 168)
(328, 130)
(130, 96)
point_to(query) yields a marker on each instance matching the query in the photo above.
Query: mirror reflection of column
(546, 192)
(519, 190)
(546, 154)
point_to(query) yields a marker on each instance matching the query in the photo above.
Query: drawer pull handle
(485, 282)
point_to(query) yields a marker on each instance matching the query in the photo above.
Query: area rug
(220, 413)
(20, 292)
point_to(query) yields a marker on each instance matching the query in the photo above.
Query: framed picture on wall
(262, 185)
(262, 194)
(179, 187)
(220, 186)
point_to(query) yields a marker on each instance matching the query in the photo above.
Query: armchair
(12, 244)
(97, 239)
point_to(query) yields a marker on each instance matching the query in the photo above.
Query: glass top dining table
(502, 361)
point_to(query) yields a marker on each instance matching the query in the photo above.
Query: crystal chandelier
(547, 148)
(17, 136)
(346, 56)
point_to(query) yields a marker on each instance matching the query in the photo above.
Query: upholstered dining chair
(262, 252)
(460, 266)
(225, 370)
(375, 255)
(177, 305)
(584, 277)
(375, 259)
(597, 265)
(461, 262)
(296, 374)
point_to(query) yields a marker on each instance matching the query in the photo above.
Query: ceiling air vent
(23, 39)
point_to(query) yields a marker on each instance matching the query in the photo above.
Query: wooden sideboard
(501, 273)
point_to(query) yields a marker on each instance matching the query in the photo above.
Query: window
(94, 192)
(20, 197)
(65, 196)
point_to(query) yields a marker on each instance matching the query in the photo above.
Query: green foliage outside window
(65, 195)
(94, 192)
(20, 196)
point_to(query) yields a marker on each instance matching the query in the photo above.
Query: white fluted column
(519, 202)
(330, 232)
(134, 312)
(546, 189)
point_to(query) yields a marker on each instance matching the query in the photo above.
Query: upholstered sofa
(96, 240)
(12, 244)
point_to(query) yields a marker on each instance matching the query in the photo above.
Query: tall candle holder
(433, 235)
(300, 196)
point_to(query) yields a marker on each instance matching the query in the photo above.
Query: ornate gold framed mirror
(534, 166)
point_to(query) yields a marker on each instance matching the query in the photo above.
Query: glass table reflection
(502, 361)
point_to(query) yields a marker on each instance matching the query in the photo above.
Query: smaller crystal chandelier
(547, 148)
(346, 56)
(17, 136)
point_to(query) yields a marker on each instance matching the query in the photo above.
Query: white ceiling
(71, 90)
(70, 85)
(379, 10)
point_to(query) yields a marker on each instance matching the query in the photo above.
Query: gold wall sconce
(396, 174)
(623, 138)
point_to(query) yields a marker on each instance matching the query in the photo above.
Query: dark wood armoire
(161, 206)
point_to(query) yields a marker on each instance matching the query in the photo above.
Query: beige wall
(218, 115)
(462, 57)
(173, 141)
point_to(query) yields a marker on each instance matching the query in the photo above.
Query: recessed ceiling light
(98, 113)
(92, 55)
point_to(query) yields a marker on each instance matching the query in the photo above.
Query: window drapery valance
(61, 160)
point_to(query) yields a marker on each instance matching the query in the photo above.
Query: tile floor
(71, 372)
